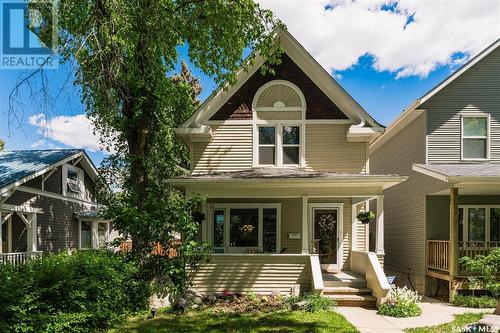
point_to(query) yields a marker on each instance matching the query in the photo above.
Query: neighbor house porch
(18, 233)
(273, 233)
(462, 221)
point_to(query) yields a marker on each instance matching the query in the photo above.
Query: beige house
(448, 143)
(283, 159)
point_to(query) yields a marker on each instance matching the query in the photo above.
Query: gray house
(47, 203)
(448, 143)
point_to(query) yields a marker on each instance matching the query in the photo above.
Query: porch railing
(438, 252)
(17, 258)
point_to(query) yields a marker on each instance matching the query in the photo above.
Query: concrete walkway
(433, 313)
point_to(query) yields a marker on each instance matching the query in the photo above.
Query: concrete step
(352, 284)
(367, 301)
(345, 290)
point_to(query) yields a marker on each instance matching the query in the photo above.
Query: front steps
(348, 289)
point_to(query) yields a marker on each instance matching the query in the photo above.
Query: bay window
(93, 234)
(475, 145)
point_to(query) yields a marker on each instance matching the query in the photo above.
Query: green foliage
(402, 302)
(124, 55)
(461, 320)
(486, 267)
(471, 301)
(365, 216)
(2, 144)
(313, 302)
(316, 302)
(69, 293)
(208, 320)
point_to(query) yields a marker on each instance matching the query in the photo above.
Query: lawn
(210, 321)
(460, 321)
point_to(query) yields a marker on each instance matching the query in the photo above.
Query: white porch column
(305, 226)
(9, 234)
(29, 233)
(94, 234)
(204, 223)
(34, 238)
(379, 241)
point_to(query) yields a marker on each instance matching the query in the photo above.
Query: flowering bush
(402, 302)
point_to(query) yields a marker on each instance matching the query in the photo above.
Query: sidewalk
(433, 313)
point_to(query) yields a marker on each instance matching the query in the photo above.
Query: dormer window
(72, 180)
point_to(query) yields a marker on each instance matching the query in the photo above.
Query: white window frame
(94, 240)
(81, 176)
(283, 145)
(227, 211)
(275, 145)
(465, 137)
(487, 221)
(278, 143)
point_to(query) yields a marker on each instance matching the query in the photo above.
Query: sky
(385, 54)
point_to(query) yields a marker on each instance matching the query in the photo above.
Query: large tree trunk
(497, 310)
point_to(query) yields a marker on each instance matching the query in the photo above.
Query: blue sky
(384, 76)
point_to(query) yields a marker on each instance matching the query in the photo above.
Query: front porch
(279, 230)
(18, 234)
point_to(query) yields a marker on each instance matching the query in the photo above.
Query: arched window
(279, 95)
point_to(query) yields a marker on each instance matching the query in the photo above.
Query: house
(283, 161)
(47, 203)
(448, 144)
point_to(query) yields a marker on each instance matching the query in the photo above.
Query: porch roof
(288, 176)
(460, 173)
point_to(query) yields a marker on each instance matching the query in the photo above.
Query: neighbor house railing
(17, 258)
(439, 255)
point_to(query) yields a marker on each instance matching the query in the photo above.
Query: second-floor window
(279, 145)
(291, 144)
(475, 145)
(72, 181)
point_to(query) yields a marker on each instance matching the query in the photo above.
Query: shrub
(313, 302)
(471, 301)
(69, 293)
(316, 302)
(402, 302)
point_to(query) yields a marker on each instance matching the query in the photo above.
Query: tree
(186, 77)
(2, 144)
(486, 268)
(122, 52)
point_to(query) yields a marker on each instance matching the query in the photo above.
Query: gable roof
(409, 113)
(19, 166)
(307, 63)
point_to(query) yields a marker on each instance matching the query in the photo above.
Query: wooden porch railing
(438, 252)
(17, 258)
(438, 255)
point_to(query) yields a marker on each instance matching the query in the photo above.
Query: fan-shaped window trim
(280, 106)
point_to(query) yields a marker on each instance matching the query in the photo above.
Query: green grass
(209, 321)
(460, 320)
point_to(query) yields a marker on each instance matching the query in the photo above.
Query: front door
(325, 236)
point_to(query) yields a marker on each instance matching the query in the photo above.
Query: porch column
(305, 226)
(453, 231)
(33, 230)
(379, 241)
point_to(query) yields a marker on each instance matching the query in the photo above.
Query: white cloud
(72, 131)
(338, 36)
